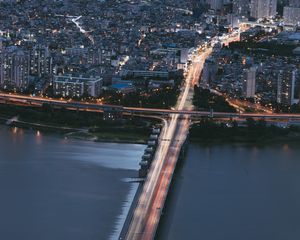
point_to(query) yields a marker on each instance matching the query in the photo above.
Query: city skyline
(103, 102)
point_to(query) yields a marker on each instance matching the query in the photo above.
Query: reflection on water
(55, 188)
(235, 192)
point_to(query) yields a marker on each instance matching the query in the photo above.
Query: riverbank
(208, 132)
(78, 125)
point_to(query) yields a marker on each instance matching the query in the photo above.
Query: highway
(183, 107)
(150, 206)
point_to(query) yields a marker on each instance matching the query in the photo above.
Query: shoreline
(74, 133)
(112, 136)
(78, 125)
(290, 138)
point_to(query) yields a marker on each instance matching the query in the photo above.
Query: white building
(77, 86)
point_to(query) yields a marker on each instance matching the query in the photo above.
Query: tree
(250, 123)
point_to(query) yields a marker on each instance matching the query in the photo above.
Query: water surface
(53, 188)
(235, 192)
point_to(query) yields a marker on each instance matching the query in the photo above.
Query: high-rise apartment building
(215, 4)
(263, 8)
(40, 61)
(288, 86)
(250, 82)
(291, 14)
(294, 3)
(241, 7)
(295, 95)
(209, 72)
(14, 68)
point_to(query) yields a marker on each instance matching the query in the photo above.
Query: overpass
(94, 107)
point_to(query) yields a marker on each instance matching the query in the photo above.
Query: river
(55, 188)
(234, 192)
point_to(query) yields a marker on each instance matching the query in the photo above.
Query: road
(183, 107)
(150, 206)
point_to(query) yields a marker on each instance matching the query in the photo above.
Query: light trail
(148, 210)
(23, 100)
(75, 20)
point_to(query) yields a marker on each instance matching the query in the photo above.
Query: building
(287, 85)
(295, 95)
(209, 72)
(233, 20)
(294, 3)
(14, 69)
(296, 51)
(250, 82)
(40, 61)
(94, 56)
(263, 8)
(184, 55)
(215, 4)
(77, 86)
(291, 15)
(146, 74)
(241, 7)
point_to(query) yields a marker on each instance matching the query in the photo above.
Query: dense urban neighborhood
(100, 100)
